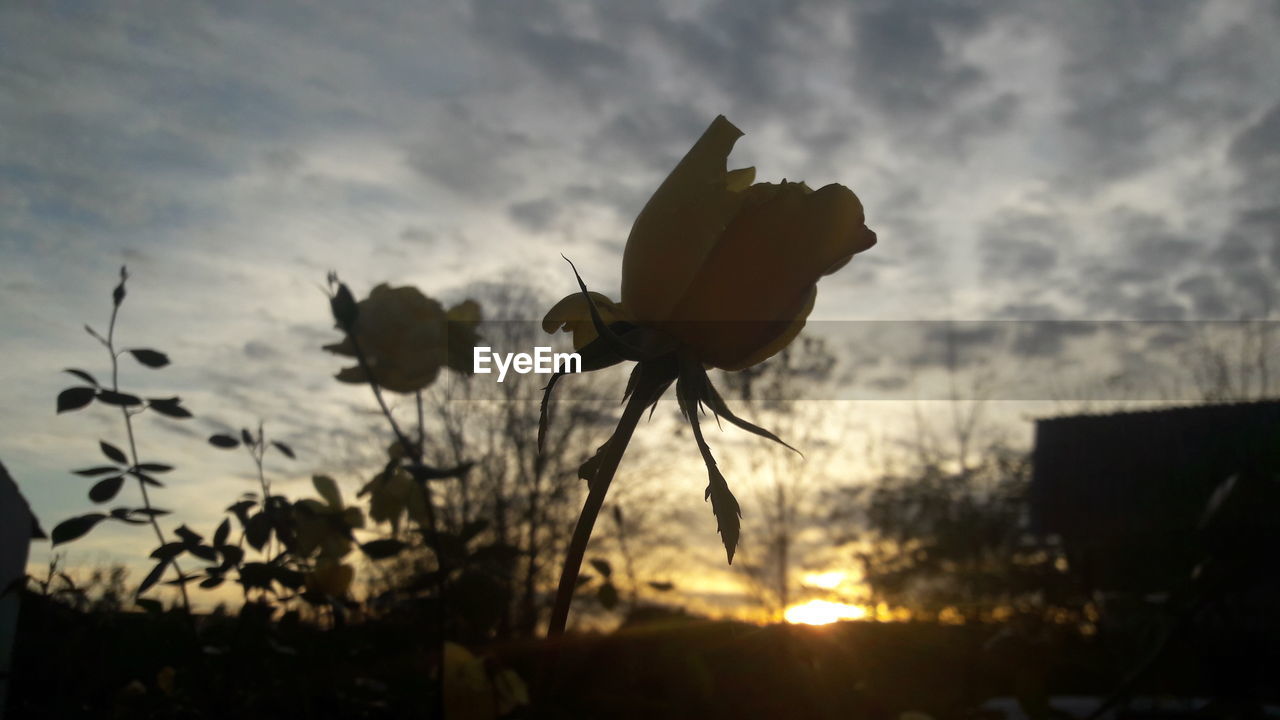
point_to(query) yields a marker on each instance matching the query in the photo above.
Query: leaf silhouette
(75, 398)
(223, 441)
(224, 529)
(112, 452)
(169, 407)
(99, 470)
(75, 527)
(602, 567)
(152, 577)
(154, 467)
(284, 449)
(608, 596)
(723, 504)
(104, 490)
(168, 551)
(111, 397)
(82, 375)
(150, 358)
(379, 549)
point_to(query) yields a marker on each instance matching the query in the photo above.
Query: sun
(823, 612)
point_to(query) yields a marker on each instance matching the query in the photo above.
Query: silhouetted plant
(400, 340)
(110, 478)
(712, 276)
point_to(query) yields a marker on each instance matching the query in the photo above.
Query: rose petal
(760, 277)
(573, 316)
(680, 225)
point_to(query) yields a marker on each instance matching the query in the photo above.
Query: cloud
(1049, 161)
(534, 215)
(1021, 247)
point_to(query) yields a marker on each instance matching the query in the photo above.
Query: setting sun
(823, 612)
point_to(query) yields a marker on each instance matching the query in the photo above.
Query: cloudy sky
(1020, 161)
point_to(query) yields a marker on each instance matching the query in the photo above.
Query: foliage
(959, 539)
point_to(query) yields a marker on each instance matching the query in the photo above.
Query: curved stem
(641, 398)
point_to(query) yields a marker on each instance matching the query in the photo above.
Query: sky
(1023, 164)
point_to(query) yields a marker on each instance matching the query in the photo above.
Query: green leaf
(105, 489)
(112, 452)
(75, 398)
(75, 527)
(150, 358)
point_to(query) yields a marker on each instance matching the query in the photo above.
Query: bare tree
(783, 501)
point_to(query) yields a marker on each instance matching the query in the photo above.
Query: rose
(406, 337)
(727, 268)
(717, 272)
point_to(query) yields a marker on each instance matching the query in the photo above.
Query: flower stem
(414, 453)
(641, 398)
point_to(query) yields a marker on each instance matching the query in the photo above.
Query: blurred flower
(326, 526)
(406, 337)
(330, 578)
(474, 691)
(725, 267)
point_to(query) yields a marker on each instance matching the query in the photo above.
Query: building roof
(37, 533)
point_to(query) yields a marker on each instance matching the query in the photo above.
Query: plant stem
(414, 453)
(258, 451)
(133, 450)
(641, 398)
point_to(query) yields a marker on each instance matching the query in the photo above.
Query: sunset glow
(823, 612)
(826, 580)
